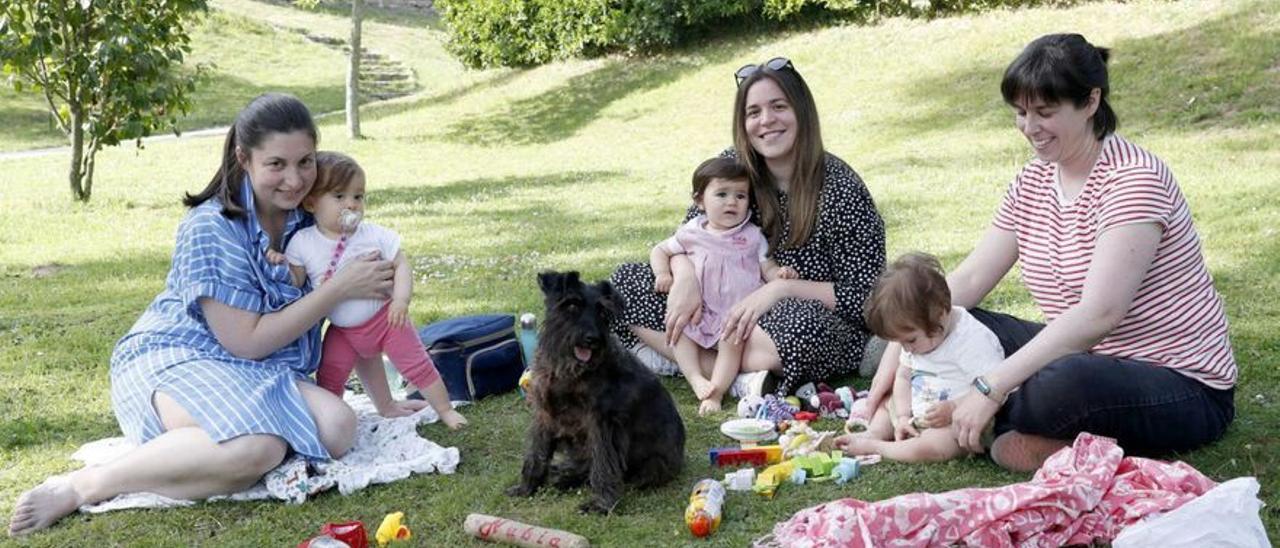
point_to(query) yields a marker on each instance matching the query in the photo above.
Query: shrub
(488, 33)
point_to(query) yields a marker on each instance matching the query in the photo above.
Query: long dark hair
(808, 175)
(266, 114)
(1055, 67)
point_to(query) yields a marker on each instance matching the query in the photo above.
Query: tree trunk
(90, 158)
(353, 71)
(77, 154)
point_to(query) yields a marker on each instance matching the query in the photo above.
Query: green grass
(493, 176)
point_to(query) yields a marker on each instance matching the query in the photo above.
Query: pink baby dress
(728, 269)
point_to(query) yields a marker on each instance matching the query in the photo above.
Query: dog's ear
(612, 300)
(556, 283)
(551, 282)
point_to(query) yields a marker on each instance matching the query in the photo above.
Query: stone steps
(381, 76)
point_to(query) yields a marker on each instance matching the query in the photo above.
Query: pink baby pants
(343, 346)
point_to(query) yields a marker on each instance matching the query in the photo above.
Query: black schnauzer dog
(599, 416)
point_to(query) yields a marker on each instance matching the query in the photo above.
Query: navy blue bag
(477, 356)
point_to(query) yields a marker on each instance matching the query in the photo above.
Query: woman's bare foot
(453, 419)
(709, 406)
(43, 506)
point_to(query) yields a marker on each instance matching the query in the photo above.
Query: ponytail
(225, 185)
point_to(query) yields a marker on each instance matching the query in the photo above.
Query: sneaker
(654, 361)
(748, 384)
(871, 357)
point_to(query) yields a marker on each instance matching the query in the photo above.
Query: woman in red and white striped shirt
(1135, 346)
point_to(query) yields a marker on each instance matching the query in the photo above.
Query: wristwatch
(982, 386)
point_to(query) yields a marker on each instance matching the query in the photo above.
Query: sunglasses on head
(777, 63)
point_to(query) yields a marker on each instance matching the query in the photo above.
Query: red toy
(350, 532)
(753, 456)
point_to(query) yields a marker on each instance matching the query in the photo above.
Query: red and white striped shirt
(1176, 319)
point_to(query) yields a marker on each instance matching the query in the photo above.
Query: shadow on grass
(1187, 77)
(524, 228)
(399, 17)
(423, 200)
(220, 96)
(391, 109)
(56, 341)
(29, 125)
(560, 112)
(74, 424)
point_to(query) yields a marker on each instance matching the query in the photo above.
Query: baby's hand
(397, 314)
(275, 257)
(905, 429)
(662, 283)
(938, 415)
(787, 273)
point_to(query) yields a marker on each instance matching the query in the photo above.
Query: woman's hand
(742, 318)
(684, 301)
(368, 277)
(972, 414)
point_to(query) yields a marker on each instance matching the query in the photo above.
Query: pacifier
(349, 219)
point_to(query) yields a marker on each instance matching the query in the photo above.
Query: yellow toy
(769, 480)
(705, 506)
(526, 379)
(391, 529)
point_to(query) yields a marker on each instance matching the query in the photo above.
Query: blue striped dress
(171, 349)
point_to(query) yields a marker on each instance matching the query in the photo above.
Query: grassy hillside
(250, 48)
(494, 176)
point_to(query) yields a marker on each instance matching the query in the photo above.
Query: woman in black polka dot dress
(820, 220)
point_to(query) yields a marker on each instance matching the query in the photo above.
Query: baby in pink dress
(729, 259)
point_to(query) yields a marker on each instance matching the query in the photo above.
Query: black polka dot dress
(846, 248)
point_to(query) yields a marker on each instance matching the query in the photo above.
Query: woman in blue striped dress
(212, 381)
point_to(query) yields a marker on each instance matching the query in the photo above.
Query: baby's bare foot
(43, 506)
(702, 388)
(858, 444)
(453, 419)
(709, 406)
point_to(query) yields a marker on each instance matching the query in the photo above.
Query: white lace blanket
(385, 450)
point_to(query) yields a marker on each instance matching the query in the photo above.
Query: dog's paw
(595, 506)
(520, 490)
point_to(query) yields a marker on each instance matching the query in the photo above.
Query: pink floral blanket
(1086, 491)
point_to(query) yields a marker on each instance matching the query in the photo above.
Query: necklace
(350, 219)
(337, 255)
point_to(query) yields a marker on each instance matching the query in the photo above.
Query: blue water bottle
(528, 342)
(528, 336)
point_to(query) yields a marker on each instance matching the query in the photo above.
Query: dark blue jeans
(1149, 410)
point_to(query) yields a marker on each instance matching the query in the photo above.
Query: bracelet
(984, 387)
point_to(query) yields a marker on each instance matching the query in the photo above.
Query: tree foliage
(109, 70)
